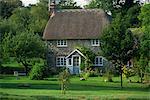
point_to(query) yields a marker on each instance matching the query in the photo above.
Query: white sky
(79, 2)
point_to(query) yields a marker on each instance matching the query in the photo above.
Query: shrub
(38, 72)
(93, 73)
(85, 75)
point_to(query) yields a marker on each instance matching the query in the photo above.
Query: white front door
(76, 64)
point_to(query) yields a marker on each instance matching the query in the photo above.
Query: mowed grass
(93, 88)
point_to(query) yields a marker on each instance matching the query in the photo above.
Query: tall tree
(20, 19)
(144, 42)
(118, 43)
(39, 17)
(113, 6)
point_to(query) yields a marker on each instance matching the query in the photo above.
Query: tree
(68, 4)
(24, 47)
(21, 19)
(7, 6)
(118, 43)
(113, 6)
(143, 57)
(39, 17)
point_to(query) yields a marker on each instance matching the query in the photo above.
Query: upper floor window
(98, 61)
(60, 61)
(95, 42)
(61, 43)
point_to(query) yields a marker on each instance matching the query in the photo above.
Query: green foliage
(6, 27)
(85, 75)
(131, 16)
(20, 19)
(113, 6)
(39, 18)
(89, 54)
(68, 4)
(32, 18)
(143, 57)
(144, 15)
(24, 47)
(37, 72)
(7, 6)
(64, 79)
(118, 42)
(128, 72)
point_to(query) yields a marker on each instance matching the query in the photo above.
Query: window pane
(58, 42)
(96, 42)
(69, 61)
(96, 60)
(65, 42)
(100, 61)
(64, 61)
(62, 42)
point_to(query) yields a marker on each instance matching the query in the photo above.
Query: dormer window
(95, 42)
(61, 43)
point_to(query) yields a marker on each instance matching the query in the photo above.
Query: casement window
(60, 61)
(69, 61)
(95, 42)
(98, 61)
(61, 43)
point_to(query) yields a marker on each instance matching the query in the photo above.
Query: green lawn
(93, 88)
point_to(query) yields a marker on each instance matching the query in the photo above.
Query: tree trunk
(121, 76)
(121, 81)
(26, 66)
(26, 69)
(141, 76)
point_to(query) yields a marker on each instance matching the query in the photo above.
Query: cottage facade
(68, 29)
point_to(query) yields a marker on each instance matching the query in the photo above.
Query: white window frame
(61, 43)
(69, 63)
(99, 63)
(95, 42)
(62, 61)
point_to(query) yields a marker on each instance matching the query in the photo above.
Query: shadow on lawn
(73, 87)
(23, 97)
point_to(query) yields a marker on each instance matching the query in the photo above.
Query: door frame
(79, 61)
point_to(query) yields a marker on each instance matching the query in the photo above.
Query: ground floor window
(60, 61)
(98, 61)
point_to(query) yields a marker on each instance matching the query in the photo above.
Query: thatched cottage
(67, 29)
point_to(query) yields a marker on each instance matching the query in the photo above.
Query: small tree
(64, 79)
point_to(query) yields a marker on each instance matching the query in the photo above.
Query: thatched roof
(76, 24)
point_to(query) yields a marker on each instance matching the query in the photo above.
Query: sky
(79, 2)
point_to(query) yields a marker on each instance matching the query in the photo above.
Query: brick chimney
(52, 8)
